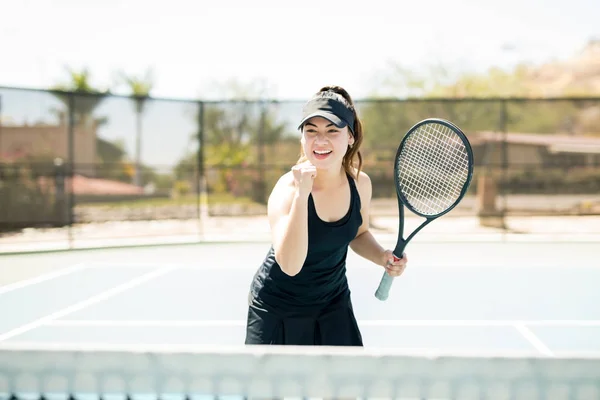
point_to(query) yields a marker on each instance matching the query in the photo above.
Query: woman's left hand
(393, 265)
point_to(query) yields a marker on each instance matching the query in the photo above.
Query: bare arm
(365, 244)
(288, 218)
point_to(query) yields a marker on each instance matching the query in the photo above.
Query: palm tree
(90, 99)
(140, 88)
(85, 100)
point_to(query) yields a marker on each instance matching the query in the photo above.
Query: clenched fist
(304, 176)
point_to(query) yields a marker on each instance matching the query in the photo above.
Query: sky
(292, 47)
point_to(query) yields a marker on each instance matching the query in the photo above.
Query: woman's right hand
(304, 176)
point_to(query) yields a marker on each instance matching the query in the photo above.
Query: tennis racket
(433, 170)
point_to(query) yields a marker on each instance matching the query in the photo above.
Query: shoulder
(282, 193)
(284, 185)
(364, 189)
(363, 185)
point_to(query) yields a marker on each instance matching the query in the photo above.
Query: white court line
(44, 277)
(534, 340)
(181, 266)
(371, 323)
(145, 323)
(85, 303)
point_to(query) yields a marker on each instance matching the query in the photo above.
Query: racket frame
(385, 284)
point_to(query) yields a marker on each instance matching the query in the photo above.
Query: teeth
(322, 151)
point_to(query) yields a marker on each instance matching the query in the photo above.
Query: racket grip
(385, 285)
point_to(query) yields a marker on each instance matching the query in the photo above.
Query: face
(325, 144)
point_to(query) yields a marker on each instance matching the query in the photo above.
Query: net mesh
(276, 372)
(433, 168)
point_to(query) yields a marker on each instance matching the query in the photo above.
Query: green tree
(237, 134)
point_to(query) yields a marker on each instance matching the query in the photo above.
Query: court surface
(454, 297)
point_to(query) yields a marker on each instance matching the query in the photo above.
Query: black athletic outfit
(314, 306)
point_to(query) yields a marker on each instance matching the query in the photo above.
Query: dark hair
(353, 158)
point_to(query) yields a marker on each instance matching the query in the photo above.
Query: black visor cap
(330, 109)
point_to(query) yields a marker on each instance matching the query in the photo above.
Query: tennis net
(188, 372)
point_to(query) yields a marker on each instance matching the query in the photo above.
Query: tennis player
(300, 293)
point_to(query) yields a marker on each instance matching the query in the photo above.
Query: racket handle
(385, 285)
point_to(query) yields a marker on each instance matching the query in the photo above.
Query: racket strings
(435, 194)
(433, 168)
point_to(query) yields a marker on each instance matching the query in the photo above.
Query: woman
(300, 294)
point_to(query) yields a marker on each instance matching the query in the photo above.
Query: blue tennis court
(454, 297)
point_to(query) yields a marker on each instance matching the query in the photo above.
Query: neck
(328, 178)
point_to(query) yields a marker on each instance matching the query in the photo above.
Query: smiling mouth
(322, 152)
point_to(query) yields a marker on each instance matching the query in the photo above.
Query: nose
(321, 138)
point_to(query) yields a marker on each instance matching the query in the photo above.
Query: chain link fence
(83, 166)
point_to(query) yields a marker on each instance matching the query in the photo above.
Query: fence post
(201, 185)
(487, 185)
(504, 174)
(259, 194)
(71, 169)
(1, 128)
(60, 199)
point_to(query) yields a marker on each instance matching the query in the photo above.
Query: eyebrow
(311, 124)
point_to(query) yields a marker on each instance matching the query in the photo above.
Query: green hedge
(28, 199)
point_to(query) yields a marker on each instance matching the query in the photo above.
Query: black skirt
(331, 325)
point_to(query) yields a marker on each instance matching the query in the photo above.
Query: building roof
(554, 142)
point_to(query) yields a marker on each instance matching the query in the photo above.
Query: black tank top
(323, 275)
